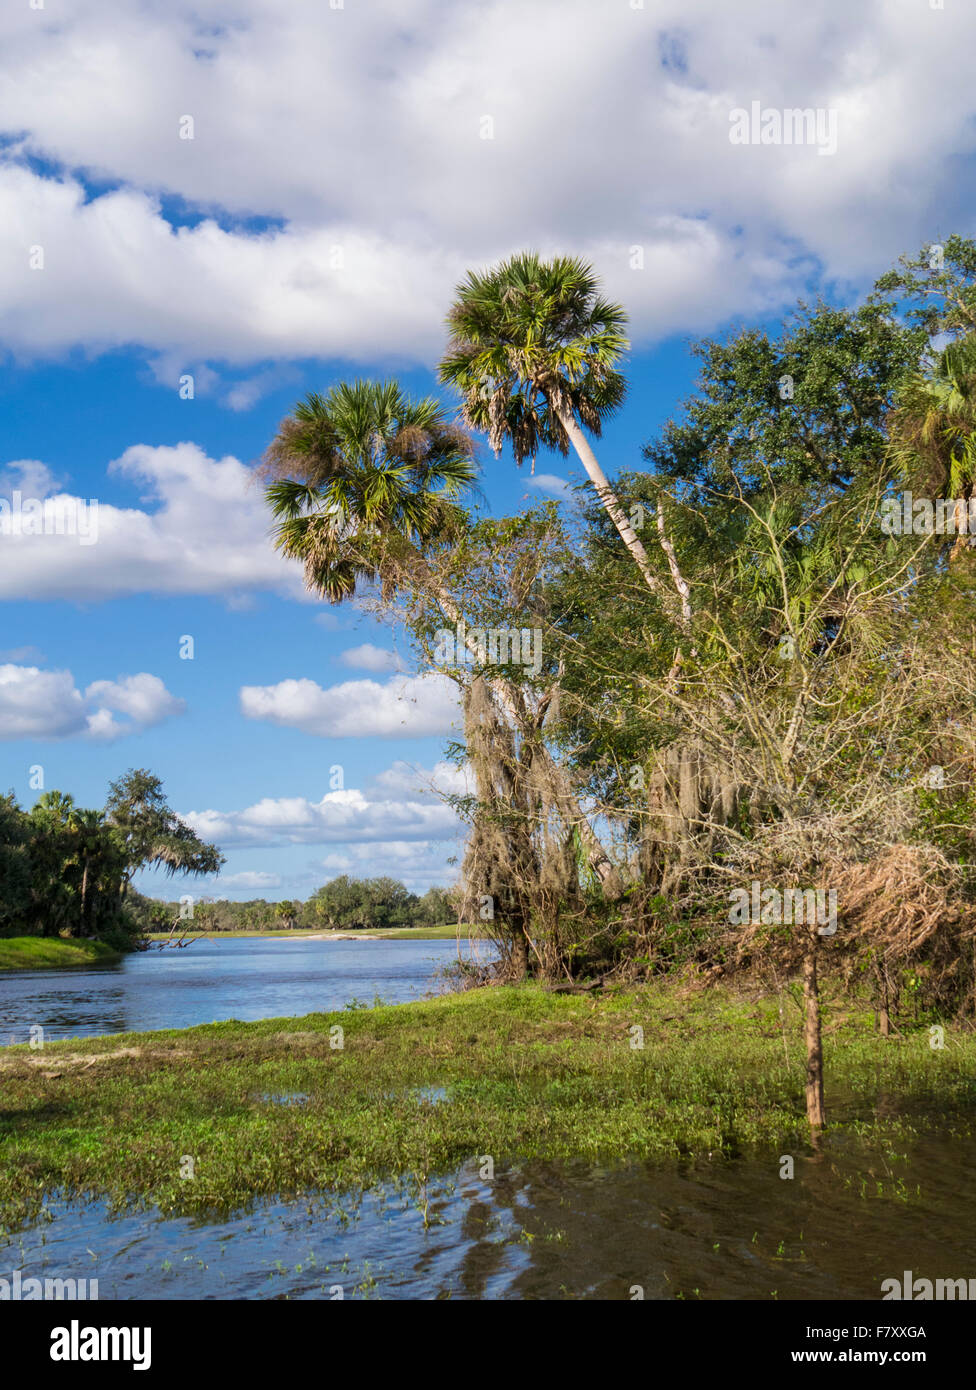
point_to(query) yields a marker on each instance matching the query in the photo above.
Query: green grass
(40, 952)
(528, 1074)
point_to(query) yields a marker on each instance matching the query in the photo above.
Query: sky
(209, 210)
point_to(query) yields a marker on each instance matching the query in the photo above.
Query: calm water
(240, 977)
(705, 1229)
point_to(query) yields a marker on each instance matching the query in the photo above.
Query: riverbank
(445, 933)
(279, 1107)
(50, 952)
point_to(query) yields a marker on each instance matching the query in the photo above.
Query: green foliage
(66, 870)
(351, 903)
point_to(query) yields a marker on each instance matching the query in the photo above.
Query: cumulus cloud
(206, 534)
(47, 705)
(248, 878)
(370, 658)
(341, 817)
(414, 706)
(398, 824)
(415, 863)
(288, 257)
(29, 476)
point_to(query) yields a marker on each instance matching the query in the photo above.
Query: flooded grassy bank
(207, 1119)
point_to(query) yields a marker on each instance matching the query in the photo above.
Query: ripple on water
(715, 1228)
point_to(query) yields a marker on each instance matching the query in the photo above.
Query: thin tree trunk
(884, 1016)
(607, 495)
(813, 1040)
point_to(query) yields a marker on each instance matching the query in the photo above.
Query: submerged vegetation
(188, 1120)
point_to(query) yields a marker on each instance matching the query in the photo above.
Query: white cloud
(414, 707)
(341, 817)
(551, 483)
(207, 534)
(47, 705)
(359, 265)
(336, 864)
(249, 878)
(29, 476)
(371, 658)
(415, 863)
(413, 780)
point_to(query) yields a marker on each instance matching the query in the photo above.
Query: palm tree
(361, 480)
(533, 351)
(52, 896)
(89, 830)
(933, 430)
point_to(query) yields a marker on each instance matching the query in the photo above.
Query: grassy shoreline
(526, 1074)
(50, 952)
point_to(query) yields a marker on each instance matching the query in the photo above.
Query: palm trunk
(812, 1037)
(607, 495)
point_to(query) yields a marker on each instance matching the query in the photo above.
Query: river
(210, 981)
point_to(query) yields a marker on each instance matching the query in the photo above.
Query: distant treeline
(344, 903)
(66, 870)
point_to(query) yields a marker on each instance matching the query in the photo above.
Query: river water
(210, 981)
(709, 1228)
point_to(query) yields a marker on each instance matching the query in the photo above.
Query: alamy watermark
(489, 646)
(785, 907)
(926, 516)
(927, 1290)
(17, 1289)
(791, 125)
(49, 516)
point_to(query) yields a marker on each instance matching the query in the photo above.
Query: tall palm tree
(933, 430)
(534, 351)
(361, 480)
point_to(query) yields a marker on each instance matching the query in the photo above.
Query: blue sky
(338, 181)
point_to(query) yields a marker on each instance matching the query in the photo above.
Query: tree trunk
(599, 862)
(813, 1040)
(84, 898)
(520, 944)
(606, 494)
(884, 1016)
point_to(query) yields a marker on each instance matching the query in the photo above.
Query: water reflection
(706, 1229)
